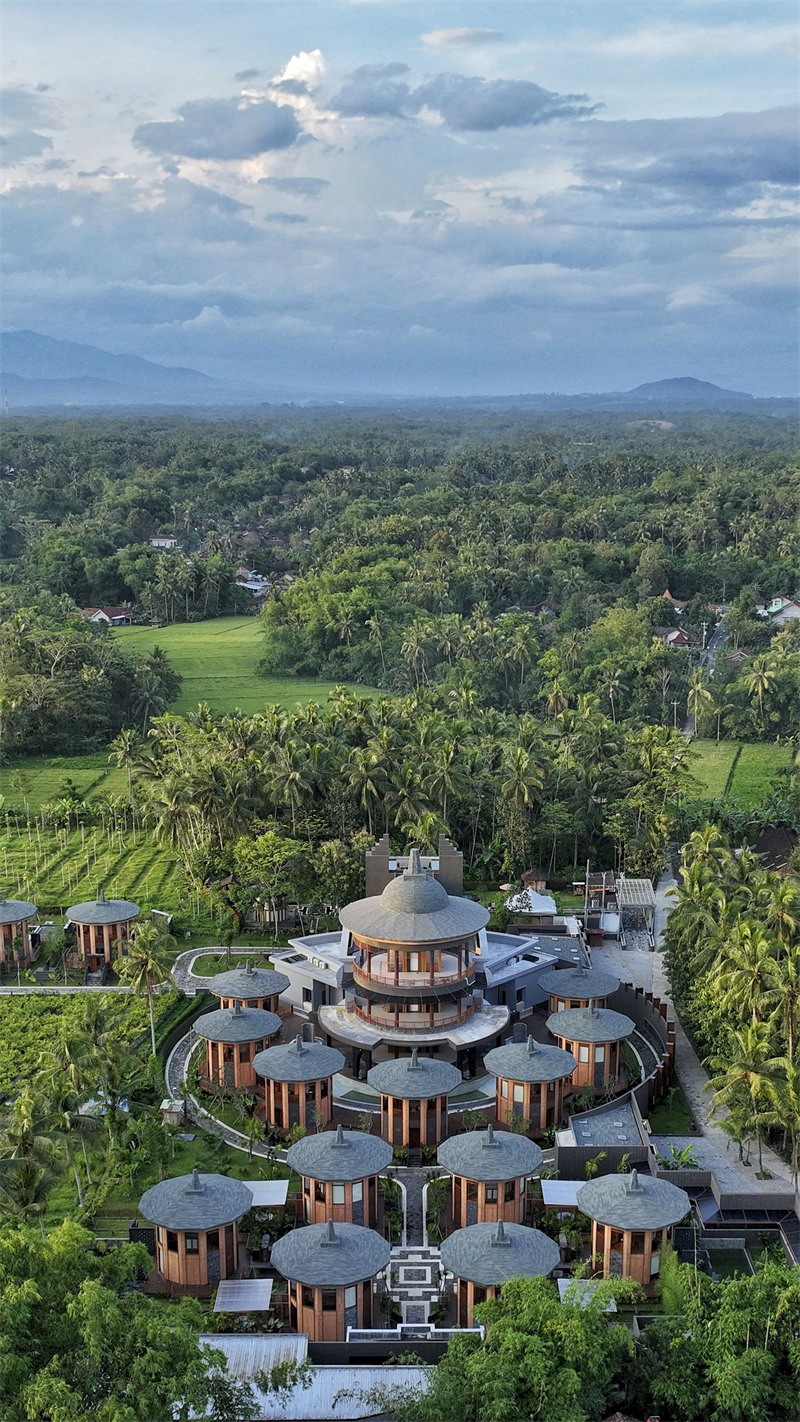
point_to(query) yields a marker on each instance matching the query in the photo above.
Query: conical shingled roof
(490, 1254)
(102, 910)
(16, 910)
(196, 1202)
(634, 1202)
(414, 908)
(298, 1061)
(237, 1024)
(590, 1024)
(248, 983)
(529, 1061)
(490, 1155)
(339, 1155)
(414, 1078)
(330, 1256)
(583, 983)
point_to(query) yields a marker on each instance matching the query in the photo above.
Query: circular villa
(485, 1256)
(532, 1080)
(256, 987)
(340, 1170)
(414, 1092)
(233, 1038)
(413, 958)
(489, 1170)
(102, 929)
(594, 1036)
(330, 1269)
(577, 987)
(16, 948)
(298, 1082)
(197, 1242)
(631, 1216)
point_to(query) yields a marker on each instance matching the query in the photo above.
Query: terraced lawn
(736, 770)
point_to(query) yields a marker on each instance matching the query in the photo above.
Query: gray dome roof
(414, 1078)
(636, 1202)
(584, 983)
(339, 1155)
(490, 1155)
(414, 908)
(237, 1024)
(489, 1254)
(15, 910)
(248, 983)
(196, 1202)
(330, 1256)
(590, 1024)
(529, 1061)
(298, 1061)
(102, 910)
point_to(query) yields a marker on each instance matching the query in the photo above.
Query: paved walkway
(646, 970)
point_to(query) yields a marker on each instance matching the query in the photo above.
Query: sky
(344, 196)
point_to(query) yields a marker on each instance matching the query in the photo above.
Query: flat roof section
(267, 1193)
(616, 1125)
(243, 1296)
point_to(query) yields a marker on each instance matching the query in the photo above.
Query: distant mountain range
(37, 371)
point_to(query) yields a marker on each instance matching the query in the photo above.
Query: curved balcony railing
(412, 980)
(414, 1021)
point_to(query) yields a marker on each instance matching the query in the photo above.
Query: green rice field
(37, 780)
(218, 660)
(736, 771)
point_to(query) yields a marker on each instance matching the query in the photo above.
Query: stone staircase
(414, 1274)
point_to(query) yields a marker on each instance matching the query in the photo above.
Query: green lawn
(218, 660)
(36, 780)
(753, 771)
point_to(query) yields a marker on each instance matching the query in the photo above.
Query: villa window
(319, 1190)
(307, 1297)
(244, 1053)
(504, 1088)
(338, 1194)
(599, 1054)
(561, 1005)
(358, 1192)
(491, 1194)
(508, 1193)
(472, 1190)
(350, 1298)
(329, 1300)
(306, 1187)
(212, 1240)
(478, 1294)
(637, 1243)
(192, 1244)
(519, 1093)
(583, 1053)
(172, 1241)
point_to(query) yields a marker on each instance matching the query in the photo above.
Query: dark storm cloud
(483, 105)
(297, 187)
(465, 104)
(221, 128)
(375, 91)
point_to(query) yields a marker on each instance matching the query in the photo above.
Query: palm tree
(784, 1093)
(25, 1186)
(363, 768)
(698, 695)
(743, 974)
(146, 965)
(760, 680)
(747, 1071)
(613, 686)
(128, 749)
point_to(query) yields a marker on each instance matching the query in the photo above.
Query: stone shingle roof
(237, 1024)
(490, 1155)
(330, 1256)
(15, 910)
(195, 1202)
(248, 983)
(529, 1061)
(414, 1078)
(584, 983)
(634, 1202)
(339, 1155)
(298, 1061)
(414, 908)
(102, 910)
(590, 1024)
(489, 1254)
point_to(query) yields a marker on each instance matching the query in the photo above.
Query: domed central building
(413, 949)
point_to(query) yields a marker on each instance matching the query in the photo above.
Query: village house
(107, 616)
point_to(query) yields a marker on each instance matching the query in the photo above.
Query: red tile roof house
(111, 616)
(675, 637)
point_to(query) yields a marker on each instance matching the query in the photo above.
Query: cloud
(306, 69)
(245, 74)
(484, 105)
(288, 219)
(22, 107)
(25, 143)
(375, 91)
(444, 39)
(734, 39)
(297, 187)
(464, 103)
(221, 128)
